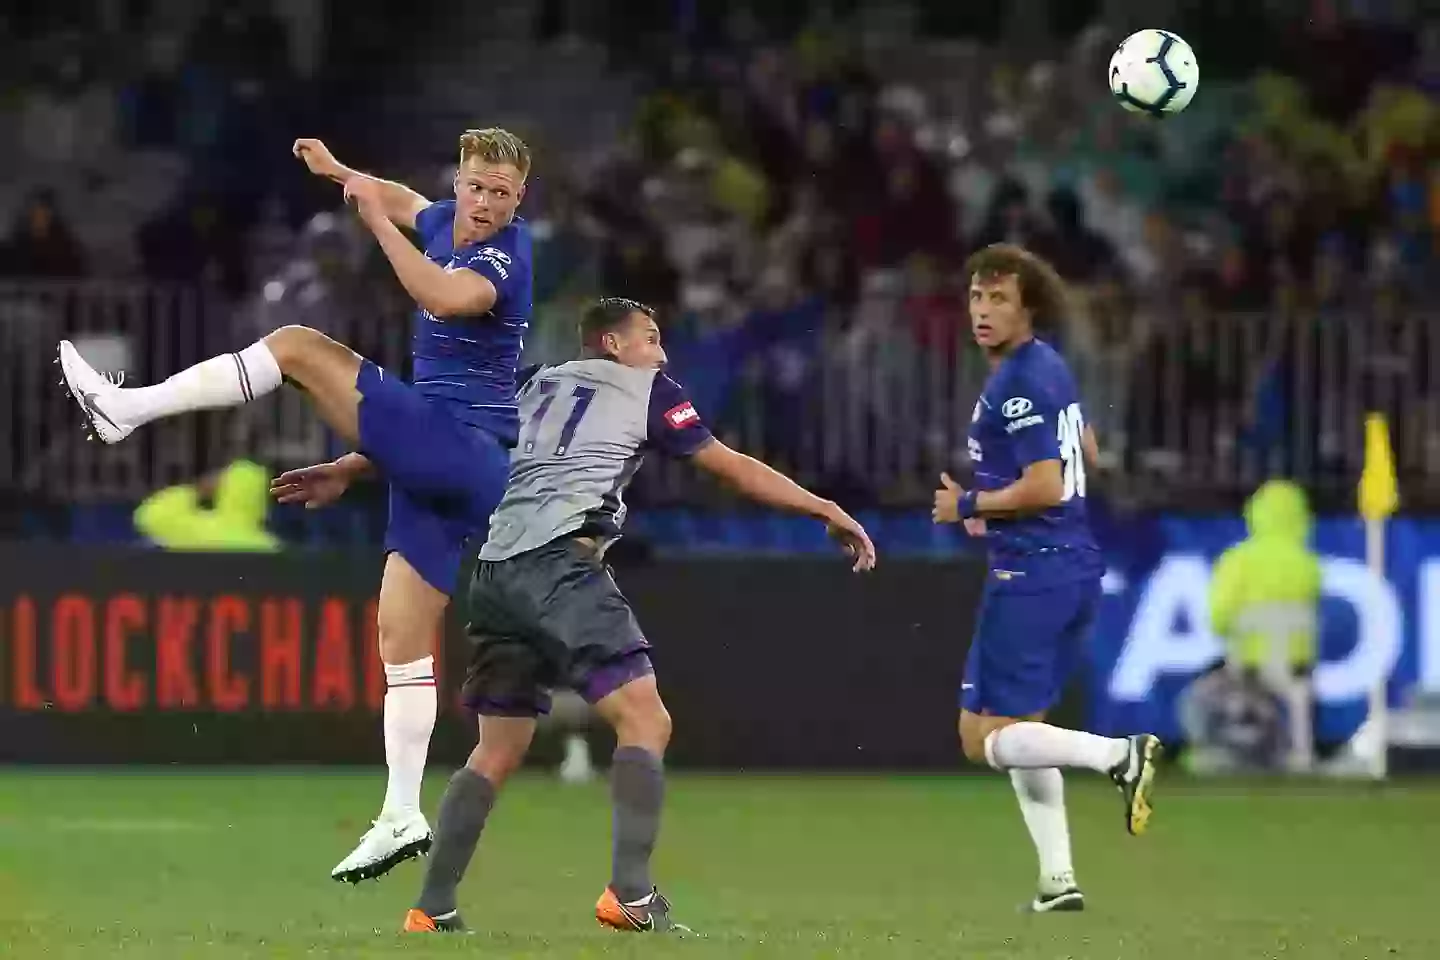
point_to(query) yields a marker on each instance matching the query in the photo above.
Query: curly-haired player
(1029, 444)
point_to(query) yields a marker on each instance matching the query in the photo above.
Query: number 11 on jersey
(583, 397)
(1071, 433)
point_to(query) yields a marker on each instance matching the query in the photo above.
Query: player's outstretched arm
(322, 484)
(764, 484)
(440, 292)
(400, 204)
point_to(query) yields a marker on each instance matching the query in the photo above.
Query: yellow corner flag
(1379, 495)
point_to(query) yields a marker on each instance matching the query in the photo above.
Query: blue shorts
(1026, 646)
(446, 477)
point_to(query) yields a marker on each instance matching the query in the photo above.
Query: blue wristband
(967, 505)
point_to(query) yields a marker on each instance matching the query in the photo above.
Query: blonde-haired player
(442, 442)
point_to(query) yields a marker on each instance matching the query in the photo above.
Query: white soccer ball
(1154, 72)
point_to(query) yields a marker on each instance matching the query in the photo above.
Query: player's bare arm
(764, 484)
(1040, 487)
(322, 484)
(442, 293)
(401, 204)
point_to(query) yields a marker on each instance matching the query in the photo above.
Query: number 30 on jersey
(1071, 433)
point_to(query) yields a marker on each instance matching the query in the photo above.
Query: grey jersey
(584, 429)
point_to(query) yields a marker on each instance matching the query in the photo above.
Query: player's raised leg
(325, 369)
(411, 614)
(464, 809)
(1024, 647)
(1008, 743)
(1033, 752)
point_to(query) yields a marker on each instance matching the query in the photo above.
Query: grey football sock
(463, 810)
(637, 791)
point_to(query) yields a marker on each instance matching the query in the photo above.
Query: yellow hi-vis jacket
(173, 518)
(1265, 590)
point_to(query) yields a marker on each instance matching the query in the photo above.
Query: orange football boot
(418, 921)
(649, 914)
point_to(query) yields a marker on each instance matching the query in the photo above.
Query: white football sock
(1030, 745)
(224, 381)
(1042, 803)
(410, 706)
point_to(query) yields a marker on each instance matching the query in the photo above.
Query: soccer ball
(1154, 72)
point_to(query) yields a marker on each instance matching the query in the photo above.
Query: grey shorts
(551, 617)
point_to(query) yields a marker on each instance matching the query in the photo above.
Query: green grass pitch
(183, 864)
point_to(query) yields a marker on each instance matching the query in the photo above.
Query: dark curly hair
(1042, 292)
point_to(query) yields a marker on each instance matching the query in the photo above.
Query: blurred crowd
(1248, 277)
(150, 138)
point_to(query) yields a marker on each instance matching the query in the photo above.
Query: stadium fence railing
(1192, 414)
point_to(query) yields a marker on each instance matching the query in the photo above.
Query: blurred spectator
(1079, 253)
(67, 116)
(235, 39)
(41, 243)
(151, 100)
(192, 242)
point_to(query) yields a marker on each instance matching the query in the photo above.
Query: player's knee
(973, 746)
(495, 764)
(310, 358)
(638, 715)
(652, 727)
(502, 748)
(405, 635)
(404, 643)
(972, 738)
(291, 344)
(644, 724)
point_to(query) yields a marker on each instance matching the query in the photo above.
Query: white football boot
(100, 397)
(1058, 894)
(388, 843)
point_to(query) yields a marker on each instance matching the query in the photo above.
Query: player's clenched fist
(947, 501)
(318, 158)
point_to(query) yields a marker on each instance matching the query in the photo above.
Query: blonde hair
(494, 145)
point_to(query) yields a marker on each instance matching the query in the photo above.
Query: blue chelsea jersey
(468, 363)
(1030, 411)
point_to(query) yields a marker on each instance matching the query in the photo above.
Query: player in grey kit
(546, 613)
